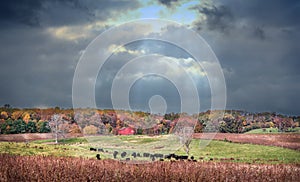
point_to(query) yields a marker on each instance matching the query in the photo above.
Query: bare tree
(184, 130)
(58, 126)
(185, 137)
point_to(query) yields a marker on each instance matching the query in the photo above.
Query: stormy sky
(256, 43)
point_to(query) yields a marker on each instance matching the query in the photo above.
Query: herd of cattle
(153, 157)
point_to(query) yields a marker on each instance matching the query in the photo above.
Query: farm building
(126, 131)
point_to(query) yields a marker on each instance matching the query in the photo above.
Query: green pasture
(165, 144)
(272, 130)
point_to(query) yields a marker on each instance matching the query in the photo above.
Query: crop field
(286, 140)
(41, 168)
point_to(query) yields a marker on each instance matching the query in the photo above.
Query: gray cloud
(256, 44)
(60, 12)
(145, 88)
(20, 11)
(38, 70)
(167, 2)
(217, 18)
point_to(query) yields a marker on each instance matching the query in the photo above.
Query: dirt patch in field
(291, 141)
(31, 137)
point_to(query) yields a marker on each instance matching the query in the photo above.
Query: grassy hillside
(215, 151)
(272, 130)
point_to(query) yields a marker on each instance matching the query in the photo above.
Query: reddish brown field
(291, 141)
(31, 137)
(40, 168)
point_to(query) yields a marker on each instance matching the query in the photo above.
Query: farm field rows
(36, 168)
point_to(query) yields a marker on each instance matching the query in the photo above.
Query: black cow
(159, 155)
(123, 154)
(93, 149)
(183, 157)
(171, 156)
(146, 155)
(98, 156)
(100, 150)
(115, 154)
(133, 154)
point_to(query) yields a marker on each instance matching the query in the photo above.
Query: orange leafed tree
(16, 115)
(26, 117)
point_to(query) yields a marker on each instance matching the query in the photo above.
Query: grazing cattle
(177, 157)
(100, 150)
(138, 155)
(171, 156)
(183, 157)
(168, 156)
(146, 155)
(152, 157)
(159, 155)
(161, 159)
(93, 149)
(98, 156)
(123, 154)
(192, 157)
(115, 154)
(133, 154)
(127, 159)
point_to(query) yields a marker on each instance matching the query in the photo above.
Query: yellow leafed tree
(26, 117)
(4, 115)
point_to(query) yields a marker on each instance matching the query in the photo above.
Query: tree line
(95, 121)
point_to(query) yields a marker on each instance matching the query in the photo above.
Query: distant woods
(92, 121)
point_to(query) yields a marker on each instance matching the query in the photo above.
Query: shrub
(90, 130)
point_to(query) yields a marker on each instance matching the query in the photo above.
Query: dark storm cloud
(254, 15)
(218, 18)
(37, 66)
(38, 69)
(59, 12)
(270, 12)
(258, 51)
(259, 33)
(19, 11)
(81, 11)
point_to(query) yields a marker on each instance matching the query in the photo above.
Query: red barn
(126, 131)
